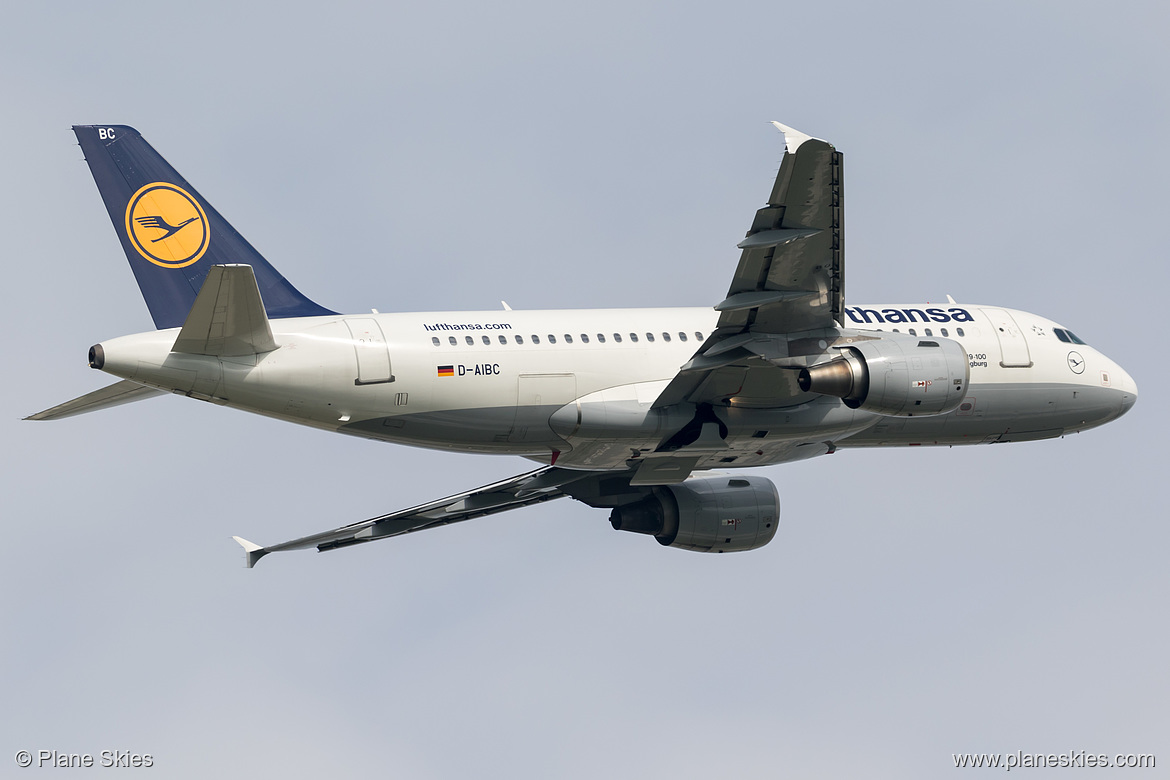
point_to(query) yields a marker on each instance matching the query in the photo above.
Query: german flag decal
(446, 370)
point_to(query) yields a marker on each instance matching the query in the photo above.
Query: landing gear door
(373, 356)
(1012, 344)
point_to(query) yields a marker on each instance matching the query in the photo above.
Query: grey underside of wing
(789, 281)
(533, 487)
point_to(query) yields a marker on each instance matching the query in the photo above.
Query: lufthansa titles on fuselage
(467, 326)
(864, 316)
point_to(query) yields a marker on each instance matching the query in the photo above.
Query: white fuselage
(577, 386)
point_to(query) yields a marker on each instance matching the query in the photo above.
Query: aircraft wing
(790, 279)
(533, 487)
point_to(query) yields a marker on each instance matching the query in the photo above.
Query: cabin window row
(568, 338)
(929, 332)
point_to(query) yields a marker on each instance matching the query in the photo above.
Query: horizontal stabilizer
(115, 395)
(227, 318)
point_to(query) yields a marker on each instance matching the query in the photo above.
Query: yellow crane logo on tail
(167, 225)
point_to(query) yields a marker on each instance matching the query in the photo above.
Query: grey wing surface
(533, 487)
(789, 281)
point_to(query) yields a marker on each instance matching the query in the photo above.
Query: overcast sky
(915, 603)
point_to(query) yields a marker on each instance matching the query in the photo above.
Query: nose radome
(1127, 402)
(1122, 381)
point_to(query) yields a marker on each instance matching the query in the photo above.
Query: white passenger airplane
(624, 408)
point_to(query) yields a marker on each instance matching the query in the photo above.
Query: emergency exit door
(373, 356)
(1012, 344)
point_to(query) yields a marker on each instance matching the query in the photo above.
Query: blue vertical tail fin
(171, 235)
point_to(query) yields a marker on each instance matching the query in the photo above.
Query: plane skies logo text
(479, 369)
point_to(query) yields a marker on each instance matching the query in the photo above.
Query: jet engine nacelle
(895, 375)
(706, 514)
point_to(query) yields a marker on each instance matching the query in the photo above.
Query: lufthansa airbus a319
(647, 413)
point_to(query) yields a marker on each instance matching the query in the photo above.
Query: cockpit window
(1067, 336)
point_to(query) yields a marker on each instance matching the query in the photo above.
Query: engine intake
(706, 514)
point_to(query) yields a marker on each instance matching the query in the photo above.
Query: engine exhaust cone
(833, 378)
